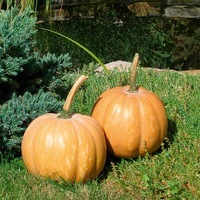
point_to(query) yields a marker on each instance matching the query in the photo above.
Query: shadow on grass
(171, 133)
(112, 161)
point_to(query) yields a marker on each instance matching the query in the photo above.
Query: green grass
(171, 173)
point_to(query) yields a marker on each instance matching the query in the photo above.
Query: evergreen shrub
(22, 66)
(18, 112)
(30, 81)
(16, 33)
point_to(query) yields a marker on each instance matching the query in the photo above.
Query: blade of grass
(1, 3)
(81, 46)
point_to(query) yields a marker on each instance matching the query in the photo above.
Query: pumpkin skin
(73, 149)
(134, 122)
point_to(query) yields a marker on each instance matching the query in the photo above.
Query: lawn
(173, 172)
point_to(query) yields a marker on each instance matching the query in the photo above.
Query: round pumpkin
(58, 146)
(133, 118)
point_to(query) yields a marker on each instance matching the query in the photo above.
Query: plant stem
(73, 91)
(81, 46)
(133, 73)
(70, 96)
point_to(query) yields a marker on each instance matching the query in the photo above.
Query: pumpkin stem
(133, 74)
(70, 96)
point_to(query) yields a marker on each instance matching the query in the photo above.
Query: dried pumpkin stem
(133, 73)
(70, 96)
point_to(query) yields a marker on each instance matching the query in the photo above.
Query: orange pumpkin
(133, 118)
(71, 148)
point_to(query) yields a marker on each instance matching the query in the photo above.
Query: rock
(188, 2)
(182, 11)
(124, 66)
(120, 65)
(182, 8)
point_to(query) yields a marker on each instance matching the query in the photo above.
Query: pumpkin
(133, 118)
(63, 147)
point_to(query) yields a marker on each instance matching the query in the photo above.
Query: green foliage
(23, 71)
(156, 45)
(94, 86)
(171, 173)
(21, 67)
(54, 66)
(22, 4)
(186, 53)
(158, 176)
(16, 42)
(18, 112)
(45, 72)
(179, 93)
(81, 46)
(161, 42)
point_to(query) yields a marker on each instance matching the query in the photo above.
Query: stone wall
(182, 8)
(179, 2)
(168, 8)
